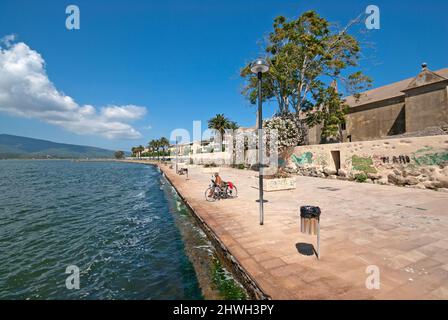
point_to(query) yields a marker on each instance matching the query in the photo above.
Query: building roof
(396, 89)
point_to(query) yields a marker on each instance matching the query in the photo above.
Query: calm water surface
(112, 220)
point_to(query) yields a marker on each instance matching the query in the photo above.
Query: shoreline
(404, 235)
(199, 249)
(250, 284)
(217, 262)
(230, 262)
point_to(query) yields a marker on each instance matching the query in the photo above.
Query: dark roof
(396, 89)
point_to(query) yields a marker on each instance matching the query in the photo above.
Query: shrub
(360, 177)
(119, 154)
(290, 130)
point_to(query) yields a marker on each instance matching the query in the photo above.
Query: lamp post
(259, 67)
(177, 152)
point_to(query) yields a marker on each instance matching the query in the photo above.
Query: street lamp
(259, 67)
(177, 152)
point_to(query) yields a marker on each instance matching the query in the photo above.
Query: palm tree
(157, 148)
(164, 143)
(153, 146)
(139, 150)
(150, 147)
(219, 123)
(234, 125)
(134, 151)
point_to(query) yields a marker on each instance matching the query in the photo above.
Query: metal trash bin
(309, 219)
(310, 222)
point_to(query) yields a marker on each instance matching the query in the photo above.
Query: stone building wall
(426, 107)
(407, 106)
(376, 120)
(420, 162)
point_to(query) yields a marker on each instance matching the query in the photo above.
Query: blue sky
(181, 59)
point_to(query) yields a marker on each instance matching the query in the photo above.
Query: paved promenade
(403, 231)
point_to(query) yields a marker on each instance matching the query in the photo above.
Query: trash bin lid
(309, 212)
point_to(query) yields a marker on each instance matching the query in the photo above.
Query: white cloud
(129, 112)
(26, 91)
(7, 40)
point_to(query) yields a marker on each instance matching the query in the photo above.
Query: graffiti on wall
(402, 159)
(430, 159)
(281, 163)
(304, 158)
(423, 157)
(364, 164)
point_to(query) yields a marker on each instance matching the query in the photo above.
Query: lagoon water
(111, 220)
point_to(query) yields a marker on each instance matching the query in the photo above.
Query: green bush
(241, 166)
(360, 177)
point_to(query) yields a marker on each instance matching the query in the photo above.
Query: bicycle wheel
(232, 193)
(210, 195)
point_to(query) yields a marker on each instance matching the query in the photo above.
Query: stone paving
(402, 231)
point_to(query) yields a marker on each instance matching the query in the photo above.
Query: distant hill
(15, 147)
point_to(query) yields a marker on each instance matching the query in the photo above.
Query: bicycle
(215, 192)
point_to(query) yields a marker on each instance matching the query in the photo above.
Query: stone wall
(426, 108)
(218, 158)
(376, 120)
(223, 158)
(407, 106)
(420, 162)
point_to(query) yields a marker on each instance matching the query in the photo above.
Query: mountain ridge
(18, 147)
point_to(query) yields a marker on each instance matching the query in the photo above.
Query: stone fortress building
(396, 134)
(406, 107)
